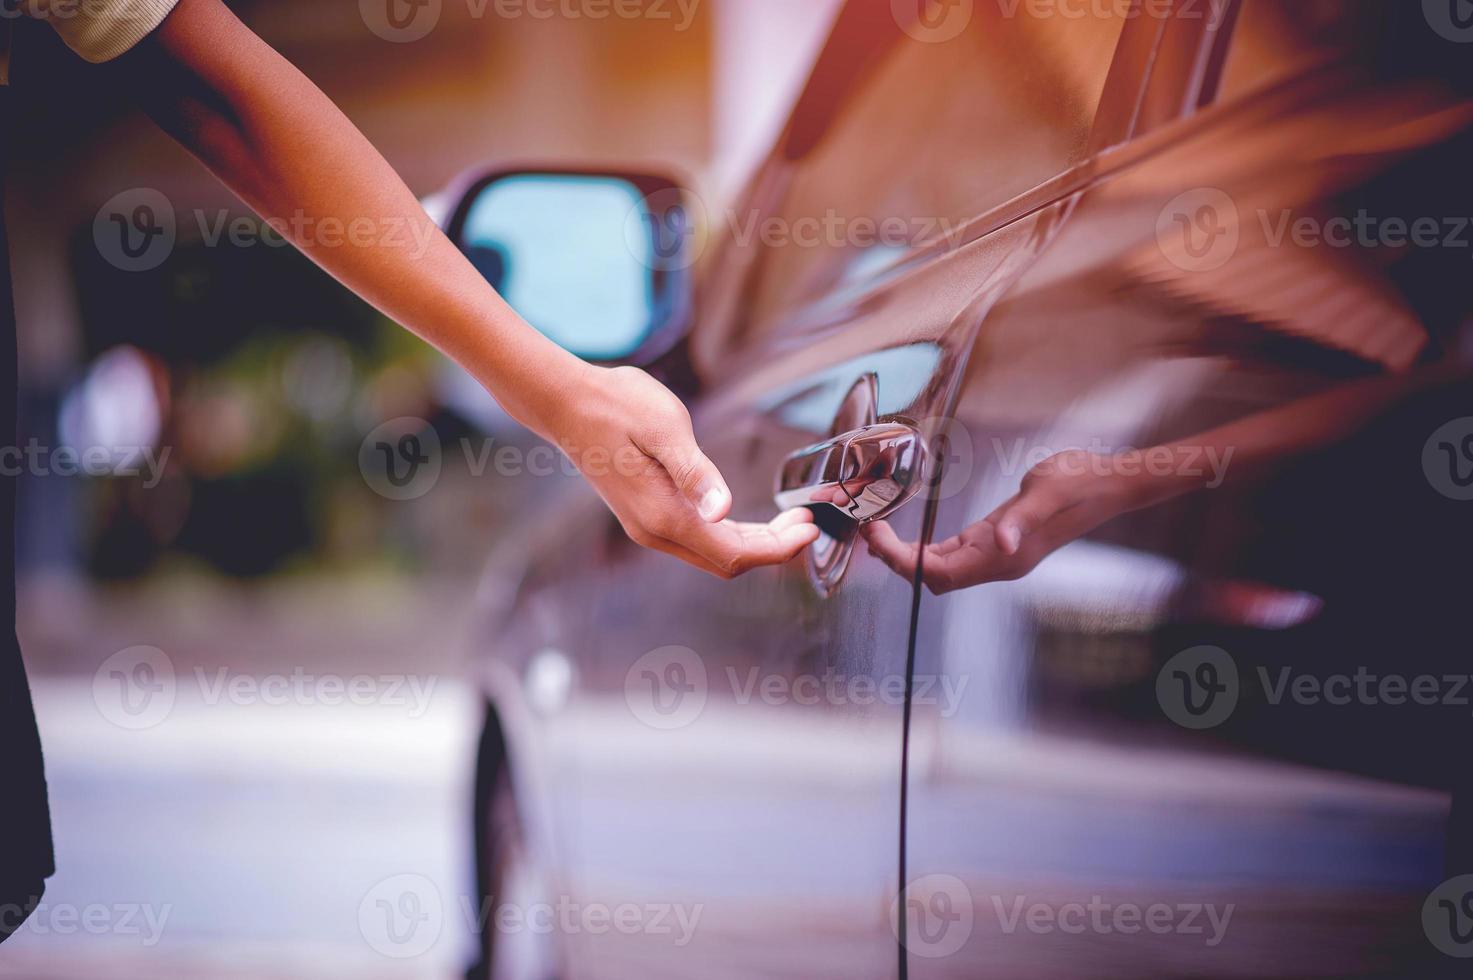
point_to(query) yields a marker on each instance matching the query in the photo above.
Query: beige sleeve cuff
(101, 30)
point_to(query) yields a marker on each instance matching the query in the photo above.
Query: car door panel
(1067, 818)
(776, 806)
(737, 748)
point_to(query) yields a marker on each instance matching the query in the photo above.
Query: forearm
(280, 144)
(1256, 444)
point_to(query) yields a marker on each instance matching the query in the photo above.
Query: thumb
(697, 478)
(1020, 517)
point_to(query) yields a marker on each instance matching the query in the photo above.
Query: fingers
(775, 543)
(949, 565)
(797, 517)
(689, 557)
(730, 549)
(1022, 516)
(959, 567)
(735, 548)
(695, 476)
(886, 545)
(654, 542)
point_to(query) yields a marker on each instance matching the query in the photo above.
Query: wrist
(549, 396)
(1137, 483)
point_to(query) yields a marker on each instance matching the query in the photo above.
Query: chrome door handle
(867, 474)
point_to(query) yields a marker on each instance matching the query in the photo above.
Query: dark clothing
(25, 822)
(16, 905)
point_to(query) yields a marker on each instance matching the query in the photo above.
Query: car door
(1150, 773)
(738, 747)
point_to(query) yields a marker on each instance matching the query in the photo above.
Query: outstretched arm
(280, 144)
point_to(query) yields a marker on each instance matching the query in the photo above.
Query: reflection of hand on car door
(1069, 495)
(1062, 499)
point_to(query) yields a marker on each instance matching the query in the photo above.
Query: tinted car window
(941, 130)
(1275, 40)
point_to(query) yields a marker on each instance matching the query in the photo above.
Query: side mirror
(599, 262)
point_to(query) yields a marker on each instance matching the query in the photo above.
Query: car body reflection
(1175, 441)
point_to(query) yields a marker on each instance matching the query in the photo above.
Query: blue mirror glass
(566, 251)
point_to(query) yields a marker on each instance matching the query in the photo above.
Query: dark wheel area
(504, 874)
(491, 776)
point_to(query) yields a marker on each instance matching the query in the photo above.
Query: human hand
(632, 440)
(1062, 499)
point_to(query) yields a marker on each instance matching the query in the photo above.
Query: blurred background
(236, 543)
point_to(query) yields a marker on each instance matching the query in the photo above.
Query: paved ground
(243, 824)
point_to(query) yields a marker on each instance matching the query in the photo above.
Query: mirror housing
(598, 261)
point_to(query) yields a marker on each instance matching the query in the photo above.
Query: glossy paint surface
(918, 754)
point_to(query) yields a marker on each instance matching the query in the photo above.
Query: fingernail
(711, 503)
(1012, 540)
